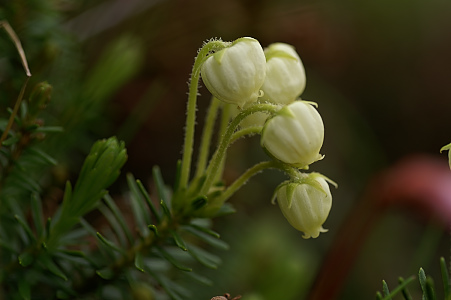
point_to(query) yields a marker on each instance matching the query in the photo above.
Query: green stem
(245, 131)
(191, 108)
(219, 154)
(238, 183)
(206, 137)
(14, 112)
(225, 120)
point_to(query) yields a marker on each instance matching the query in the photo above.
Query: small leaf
(422, 279)
(48, 225)
(161, 188)
(24, 289)
(105, 273)
(88, 227)
(25, 226)
(385, 290)
(154, 229)
(25, 259)
(172, 260)
(114, 223)
(78, 257)
(152, 207)
(405, 291)
(178, 240)
(11, 141)
(168, 285)
(399, 288)
(205, 258)
(445, 279)
(430, 291)
(205, 230)
(207, 238)
(200, 278)
(166, 210)
(51, 266)
(27, 182)
(139, 212)
(139, 263)
(74, 256)
(8, 246)
(38, 216)
(119, 217)
(378, 295)
(226, 209)
(110, 244)
(44, 156)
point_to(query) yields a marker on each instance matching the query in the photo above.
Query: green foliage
(426, 284)
(58, 250)
(62, 255)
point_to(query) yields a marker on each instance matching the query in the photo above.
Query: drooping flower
(305, 203)
(285, 75)
(235, 74)
(295, 134)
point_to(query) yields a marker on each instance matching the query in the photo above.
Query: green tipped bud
(39, 97)
(295, 134)
(285, 75)
(103, 164)
(100, 169)
(306, 203)
(235, 74)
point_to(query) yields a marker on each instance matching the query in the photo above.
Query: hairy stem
(245, 131)
(225, 119)
(238, 183)
(191, 109)
(219, 154)
(206, 136)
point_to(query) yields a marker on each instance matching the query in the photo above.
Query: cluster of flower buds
(245, 75)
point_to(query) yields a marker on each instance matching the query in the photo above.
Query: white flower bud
(236, 74)
(285, 74)
(306, 203)
(295, 134)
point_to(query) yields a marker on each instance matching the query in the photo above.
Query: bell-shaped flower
(305, 203)
(235, 74)
(285, 74)
(295, 134)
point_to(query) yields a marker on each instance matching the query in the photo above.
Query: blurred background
(379, 71)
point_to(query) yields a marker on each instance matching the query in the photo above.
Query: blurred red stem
(345, 250)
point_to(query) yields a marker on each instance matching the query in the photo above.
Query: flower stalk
(213, 45)
(218, 156)
(206, 136)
